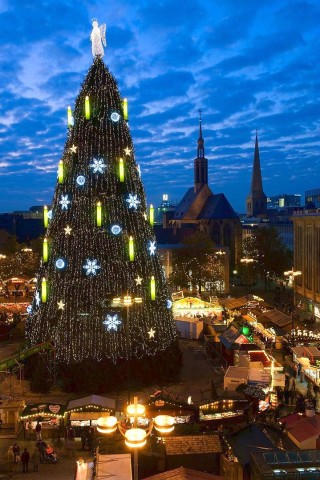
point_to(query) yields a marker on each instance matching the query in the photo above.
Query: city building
(256, 200)
(25, 225)
(202, 210)
(312, 198)
(284, 201)
(307, 261)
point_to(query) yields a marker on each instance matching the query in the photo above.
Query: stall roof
(117, 466)
(278, 318)
(192, 444)
(182, 473)
(94, 400)
(237, 372)
(306, 351)
(233, 303)
(44, 409)
(229, 337)
(302, 428)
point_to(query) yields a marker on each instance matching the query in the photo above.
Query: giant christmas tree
(101, 294)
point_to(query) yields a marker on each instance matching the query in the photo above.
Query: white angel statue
(98, 38)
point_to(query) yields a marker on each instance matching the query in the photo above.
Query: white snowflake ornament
(152, 247)
(133, 201)
(98, 165)
(64, 202)
(112, 322)
(91, 267)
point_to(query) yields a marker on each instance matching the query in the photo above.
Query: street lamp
(292, 273)
(135, 436)
(127, 301)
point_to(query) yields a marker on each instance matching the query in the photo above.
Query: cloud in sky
(248, 65)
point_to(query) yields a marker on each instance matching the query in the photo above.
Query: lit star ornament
(64, 202)
(152, 247)
(112, 322)
(138, 280)
(127, 151)
(133, 201)
(61, 305)
(91, 267)
(151, 333)
(73, 149)
(98, 165)
(67, 230)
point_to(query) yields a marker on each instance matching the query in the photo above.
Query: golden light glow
(107, 424)
(125, 108)
(137, 409)
(135, 437)
(127, 300)
(164, 423)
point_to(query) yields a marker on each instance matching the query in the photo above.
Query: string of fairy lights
(100, 240)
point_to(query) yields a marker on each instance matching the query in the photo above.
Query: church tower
(256, 200)
(200, 163)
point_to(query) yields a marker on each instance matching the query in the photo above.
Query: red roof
(301, 427)
(260, 356)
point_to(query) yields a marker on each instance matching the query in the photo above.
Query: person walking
(90, 439)
(25, 460)
(35, 459)
(38, 431)
(83, 439)
(10, 454)
(30, 431)
(16, 453)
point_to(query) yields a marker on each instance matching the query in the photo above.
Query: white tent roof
(117, 466)
(92, 400)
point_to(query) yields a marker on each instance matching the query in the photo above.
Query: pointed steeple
(200, 163)
(256, 200)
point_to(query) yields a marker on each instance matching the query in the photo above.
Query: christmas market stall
(163, 402)
(222, 412)
(84, 412)
(51, 417)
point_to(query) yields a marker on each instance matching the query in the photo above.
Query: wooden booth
(51, 417)
(165, 403)
(84, 412)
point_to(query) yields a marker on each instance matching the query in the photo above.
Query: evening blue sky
(247, 64)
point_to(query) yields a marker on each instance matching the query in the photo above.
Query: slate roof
(215, 207)
(192, 444)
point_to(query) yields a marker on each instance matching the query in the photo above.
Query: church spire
(256, 200)
(200, 163)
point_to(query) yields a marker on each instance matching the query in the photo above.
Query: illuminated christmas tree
(101, 295)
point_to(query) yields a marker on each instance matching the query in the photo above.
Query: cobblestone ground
(63, 470)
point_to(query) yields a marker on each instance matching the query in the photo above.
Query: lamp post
(127, 301)
(135, 436)
(292, 273)
(247, 261)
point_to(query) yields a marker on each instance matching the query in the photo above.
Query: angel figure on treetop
(98, 38)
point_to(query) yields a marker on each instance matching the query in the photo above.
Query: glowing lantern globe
(107, 424)
(136, 409)
(164, 423)
(135, 438)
